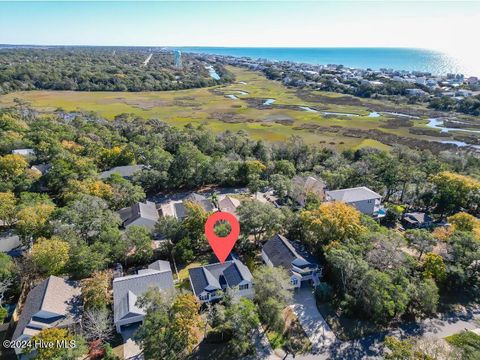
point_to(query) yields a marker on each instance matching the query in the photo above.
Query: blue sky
(444, 26)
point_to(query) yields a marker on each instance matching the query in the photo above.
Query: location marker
(222, 245)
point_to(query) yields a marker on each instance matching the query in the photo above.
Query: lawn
(212, 107)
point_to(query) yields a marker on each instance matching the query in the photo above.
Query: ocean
(434, 62)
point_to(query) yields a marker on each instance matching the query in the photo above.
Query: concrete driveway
(313, 323)
(131, 351)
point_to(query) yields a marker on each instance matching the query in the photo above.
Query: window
(294, 281)
(243, 287)
(203, 297)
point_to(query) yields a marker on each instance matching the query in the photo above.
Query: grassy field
(212, 107)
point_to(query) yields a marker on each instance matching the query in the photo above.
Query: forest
(68, 218)
(101, 69)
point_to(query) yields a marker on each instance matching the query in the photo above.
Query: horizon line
(230, 46)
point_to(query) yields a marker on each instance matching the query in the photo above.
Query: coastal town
(103, 245)
(346, 79)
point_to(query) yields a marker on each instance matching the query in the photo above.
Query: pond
(460, 144)
(213, 74)
(438, 124)
(269, 102)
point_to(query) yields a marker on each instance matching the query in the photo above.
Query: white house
(362, 198)
(24, 152)
(210, 281)
(55, 303)
(303, 267)
(127, 289)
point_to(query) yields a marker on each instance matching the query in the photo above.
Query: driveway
(371, 347)
(131, 351)
(313, 323)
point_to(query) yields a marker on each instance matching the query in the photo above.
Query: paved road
(313, 323)
(370, 347)
(264, 350)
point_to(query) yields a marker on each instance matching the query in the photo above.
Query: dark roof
(139, 210)
(55, 295)
(127, 289)
(42, 168)
(417, 218)
(201, 200)
(124, 171)
(282, 252)
(210, 277)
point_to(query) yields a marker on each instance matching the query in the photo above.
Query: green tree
(281, 184)
(140, 240)
(87, 217)
(434, 268)
(124, 193)
(260, 220)
(243, 321)
(96, 290)
(421, 240)
(273, 291)
(170, 327)
(8, 209)
(7, 266)
(194, 223)
(50, 256)
(454, 191)
(52, 335)
(424, 297)
(333, 221)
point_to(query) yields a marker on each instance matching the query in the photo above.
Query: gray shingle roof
(139, 210)
(201, 200)
(127, 289)
(124, 171)
(210, 277)
(353, 194)
(229, 204)
(417, 217)
(55, 295)
(282, 252)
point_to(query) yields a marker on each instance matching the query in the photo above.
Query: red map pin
(222, 245)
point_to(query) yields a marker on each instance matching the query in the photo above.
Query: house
(201, 200)
(281, 252)
(416, 92)
(229, 204)
(55, 303)
(210, 281)
(416, 220)
(127, 289)
(140, 214)
(42, 169)
(176, 208)
(125, 172)
(362, 198)
(9, 241)
(302, 186)
(24, 152)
